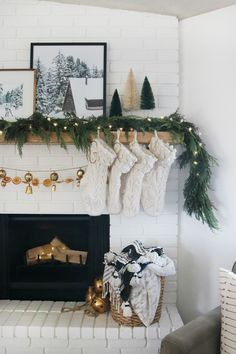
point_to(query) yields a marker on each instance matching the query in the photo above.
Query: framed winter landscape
(17, 93)
(71, 78)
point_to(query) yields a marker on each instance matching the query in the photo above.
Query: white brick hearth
(39, 327)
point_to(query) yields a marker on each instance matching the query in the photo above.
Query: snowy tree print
(41, 89)
(56, 66)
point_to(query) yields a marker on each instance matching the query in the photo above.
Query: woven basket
(134, 320)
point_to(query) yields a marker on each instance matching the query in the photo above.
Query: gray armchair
(200, 336)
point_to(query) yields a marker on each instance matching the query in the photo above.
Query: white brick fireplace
(148, 44)
(39, 327)
(160, 230)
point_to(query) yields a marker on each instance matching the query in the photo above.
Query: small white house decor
(84, 96)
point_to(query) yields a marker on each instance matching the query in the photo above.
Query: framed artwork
(71, 78)
(17, 93)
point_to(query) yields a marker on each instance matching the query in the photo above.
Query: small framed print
(17, 93)
(71, 78)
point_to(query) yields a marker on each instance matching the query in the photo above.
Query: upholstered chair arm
(200, 336)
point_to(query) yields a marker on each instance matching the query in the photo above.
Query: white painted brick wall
(146, 42)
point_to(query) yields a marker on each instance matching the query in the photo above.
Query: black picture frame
(92, 105)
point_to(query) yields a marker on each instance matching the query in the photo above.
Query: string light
(121, 129)
(171, 119)
(195, 162)
(110, 126)
(49, 119)
(65, 128)
(181, 120)
(195, 153)
(1, 132)
(76, 124)
(149, 119)
(197, 174)
(190, 129)
(30, 127)
(200, 144)
(55, 124)
(131, 129)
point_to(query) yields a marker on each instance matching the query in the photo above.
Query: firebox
(53, 279)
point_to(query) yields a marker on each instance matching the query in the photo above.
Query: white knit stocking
(123, 163)
(154, 182)
(133, 182)
(93, 184)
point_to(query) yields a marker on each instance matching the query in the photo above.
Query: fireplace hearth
(58, 281)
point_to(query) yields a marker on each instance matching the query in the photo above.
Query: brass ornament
(95, 303)
(54, 176)
(29, 189)
(100, 305)
(3, 183)
(28, 177)
(98, 284)
(2, 173)
(80, 174)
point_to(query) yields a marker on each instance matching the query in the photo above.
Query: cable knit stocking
(154, 182)
(123, 164)
(134, 180)
(93, 185)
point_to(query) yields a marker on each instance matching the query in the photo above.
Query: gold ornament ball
(98, 285)
(100, 305)
(80, 173)
(2, 173)
(54, 176)
(28, 177)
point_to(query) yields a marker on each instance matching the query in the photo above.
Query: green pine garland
(195, 155)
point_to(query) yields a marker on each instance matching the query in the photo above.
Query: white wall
(147, 43)
(208, 91)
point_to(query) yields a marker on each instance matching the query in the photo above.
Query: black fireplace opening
(50, 280)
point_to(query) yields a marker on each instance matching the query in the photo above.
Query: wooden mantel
(143, 138)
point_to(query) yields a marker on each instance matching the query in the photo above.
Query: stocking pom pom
(127, 312)
(109, 257)
(133, 267)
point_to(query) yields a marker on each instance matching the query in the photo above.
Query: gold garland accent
(31, 181)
